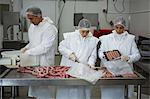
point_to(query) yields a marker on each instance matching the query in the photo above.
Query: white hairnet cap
(84, 24)
(34, 11)
(120, 21)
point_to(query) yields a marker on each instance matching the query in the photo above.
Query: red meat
(46, 71)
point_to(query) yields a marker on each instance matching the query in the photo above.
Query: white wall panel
(66, 22)
(4, 1)
(140, 17)
(47, 7)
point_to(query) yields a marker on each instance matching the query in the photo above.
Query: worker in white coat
(42, 37)
(124, 42)
(78, 46)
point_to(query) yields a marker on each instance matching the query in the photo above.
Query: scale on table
(15, 59)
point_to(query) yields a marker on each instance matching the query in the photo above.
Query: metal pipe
(13, 92)
(17, 91)
(138, 91)
(11, 5)
(1, 94)
(126, 92)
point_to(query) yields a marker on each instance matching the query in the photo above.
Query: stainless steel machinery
(12, 32)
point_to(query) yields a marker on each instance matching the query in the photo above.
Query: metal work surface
(13, 78)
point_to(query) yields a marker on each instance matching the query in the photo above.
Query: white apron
(85, 50)
(42, 45)
(125, 43)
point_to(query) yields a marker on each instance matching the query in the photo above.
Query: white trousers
(73, 92)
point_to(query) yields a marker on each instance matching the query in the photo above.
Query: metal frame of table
(13, 78)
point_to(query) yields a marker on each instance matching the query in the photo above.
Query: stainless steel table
(13, 78)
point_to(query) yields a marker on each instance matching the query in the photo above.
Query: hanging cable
(55, 11)
(59, 21)
(75, 6)
(123, 6)
(106, 14)
(60, 14)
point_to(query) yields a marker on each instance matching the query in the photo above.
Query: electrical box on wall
(92, 17)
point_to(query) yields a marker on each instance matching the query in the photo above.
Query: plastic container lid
(10, 54)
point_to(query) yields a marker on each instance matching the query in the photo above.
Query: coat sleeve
(135, 55)
(64, 48)
(102, 48)
(27, 46)
(48, 39)
(92, 58)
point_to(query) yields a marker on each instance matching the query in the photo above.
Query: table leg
(1, 92)
(13, 92)
(138, 91)
(126, 92)
(17, 91)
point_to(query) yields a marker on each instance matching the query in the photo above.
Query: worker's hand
(23, 50)
(73, 57)
(104, 57)
(91, 66)
(125, 58)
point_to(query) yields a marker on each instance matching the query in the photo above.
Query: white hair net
(84, 24)
(120, 21)
(34, 11)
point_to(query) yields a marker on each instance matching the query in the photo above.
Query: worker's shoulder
(48, 24)
(95, 38)
(50, 28)
(69, 34)
(105, 37)
(131, 36)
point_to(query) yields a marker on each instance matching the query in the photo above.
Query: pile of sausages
(60, 72)
(46, 71)
(107, 74)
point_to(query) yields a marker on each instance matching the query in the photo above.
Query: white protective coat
(85, 51)
(42, 39)
(125, 43)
